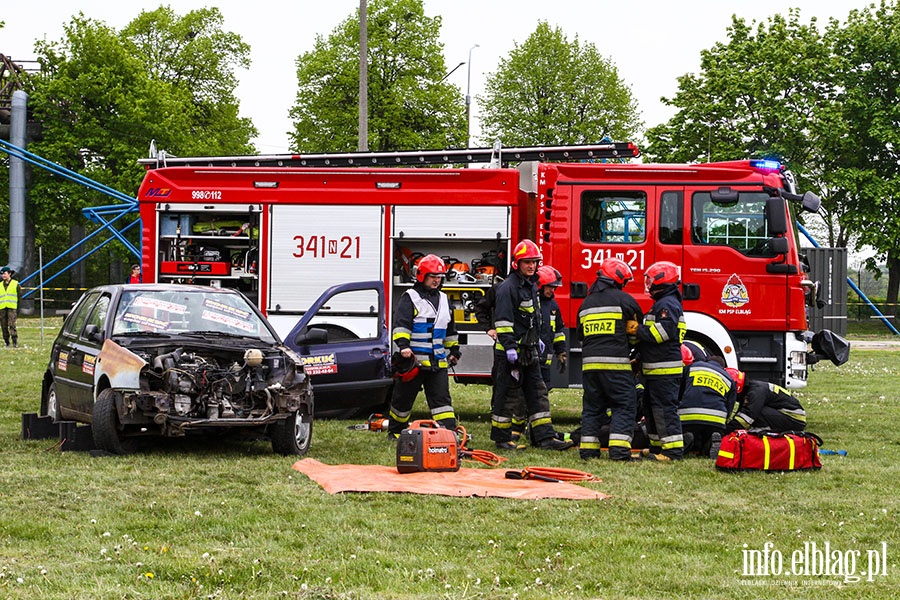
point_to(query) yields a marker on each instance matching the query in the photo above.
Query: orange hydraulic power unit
(426, 446)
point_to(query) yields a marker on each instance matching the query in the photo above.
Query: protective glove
(561, 359)
(541, 346)
(631, 327)
(512, 356)
(452, 360)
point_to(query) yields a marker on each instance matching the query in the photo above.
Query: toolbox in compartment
(462, 303)
(185, 267)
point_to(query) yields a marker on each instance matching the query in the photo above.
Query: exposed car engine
(220, 384)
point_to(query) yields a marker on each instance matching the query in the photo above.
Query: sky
(651, 43)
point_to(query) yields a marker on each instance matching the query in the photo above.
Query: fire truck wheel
(292, 436)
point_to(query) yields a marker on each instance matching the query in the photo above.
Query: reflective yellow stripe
(765, 452)
(726, 454)
(791, 446)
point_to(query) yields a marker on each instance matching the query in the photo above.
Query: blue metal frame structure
(106, 216)
(852, 285)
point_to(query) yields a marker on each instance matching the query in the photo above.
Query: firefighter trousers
(437, 393)
(661, 412)
(613, 391)
(537, 401)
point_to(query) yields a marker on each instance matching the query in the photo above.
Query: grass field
(233, 520)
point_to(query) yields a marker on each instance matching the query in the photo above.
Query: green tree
(102, 95)
(867, 161)
(553, 91)
(409, 105)
(767, 92)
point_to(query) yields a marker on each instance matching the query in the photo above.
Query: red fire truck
(285, 229)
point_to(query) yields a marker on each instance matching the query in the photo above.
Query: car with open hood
(142, 360)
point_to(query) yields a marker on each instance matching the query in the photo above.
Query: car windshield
(185, 311)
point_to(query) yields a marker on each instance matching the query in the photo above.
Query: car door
(343, 340)
(67, 358)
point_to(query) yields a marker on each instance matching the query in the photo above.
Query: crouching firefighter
(424, 331)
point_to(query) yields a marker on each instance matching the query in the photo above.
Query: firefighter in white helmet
(517, 320)
(424, 329)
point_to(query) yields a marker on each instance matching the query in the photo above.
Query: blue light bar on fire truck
(765, 165)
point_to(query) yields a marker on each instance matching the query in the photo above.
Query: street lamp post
(469, 97)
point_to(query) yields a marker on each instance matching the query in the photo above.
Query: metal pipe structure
(17, 123)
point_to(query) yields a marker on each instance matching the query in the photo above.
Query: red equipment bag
(426, 446)
(762, 450)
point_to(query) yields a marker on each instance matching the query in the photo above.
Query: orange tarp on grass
(465, 482)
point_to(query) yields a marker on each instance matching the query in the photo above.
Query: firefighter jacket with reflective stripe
(660, 336)
(710, 396)
(422, 323)
(9, 294)
(484, 308)
(602, 326)
(758, 395)
(517, 313)
(553, 330)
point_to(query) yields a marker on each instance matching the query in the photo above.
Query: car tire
(50, 403)
(292, 436)
(105, 423)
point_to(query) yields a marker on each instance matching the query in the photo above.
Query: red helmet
(547, 275)
(661, 273)
(525, 250)
(430, 265)
(687, 357)
(738, 378)
(616, 270)
(404, 369)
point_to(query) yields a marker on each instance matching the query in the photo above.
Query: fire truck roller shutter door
(315, 247)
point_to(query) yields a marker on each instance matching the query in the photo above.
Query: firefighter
(765, 405)
(607, 322)
(709, 401)
(515, 401)
(517, 320)
(659, 345)
(553, 329)
(10, 294)
(424, 329)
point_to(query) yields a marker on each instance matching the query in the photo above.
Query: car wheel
(50, 403)
(105, 423)
(293, 435)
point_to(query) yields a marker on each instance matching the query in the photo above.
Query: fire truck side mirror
(810, 202)
(779, 245)
(776, 216)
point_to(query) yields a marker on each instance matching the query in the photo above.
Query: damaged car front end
(173, 361)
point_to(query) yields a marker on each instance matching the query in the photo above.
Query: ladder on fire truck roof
(496, 155)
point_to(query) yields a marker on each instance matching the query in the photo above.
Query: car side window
(98, 315)
(75, 322)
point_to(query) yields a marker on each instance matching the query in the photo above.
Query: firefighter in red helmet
(424, 330)
(553, 328)
(517, 321)
(659, 344)
(607, 322)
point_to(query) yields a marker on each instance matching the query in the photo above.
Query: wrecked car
(142, 360)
